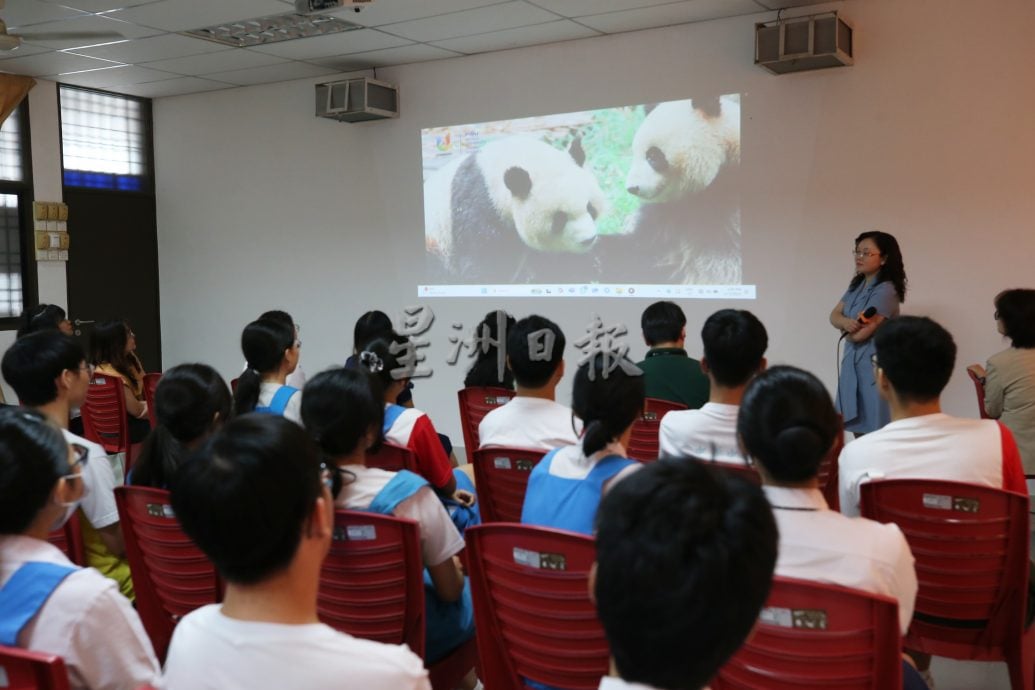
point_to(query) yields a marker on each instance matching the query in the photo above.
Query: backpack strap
(25, 593)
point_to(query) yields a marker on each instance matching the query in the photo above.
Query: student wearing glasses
(879, 284)
(46, 603)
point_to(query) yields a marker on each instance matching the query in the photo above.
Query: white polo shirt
(821, 545)
(934, 446)
(98, 505)
(526, 422)
(707, 433)
(612, 683)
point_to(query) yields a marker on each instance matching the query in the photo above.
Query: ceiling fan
(11, 41)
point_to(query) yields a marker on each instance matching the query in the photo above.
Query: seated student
(914, 361)
(48, 371)
(256, 499)
(343, 412)
(296, 379)
(271, 349)
(485, 371)
(369, 327)
(684, 564)
(46, 603)
(532, 418)
(44, 317)
(564, 489)
(191, 402)
(735, 342)
(113, 353)
(669, 373)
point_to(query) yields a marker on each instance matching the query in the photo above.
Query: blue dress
(857, 397)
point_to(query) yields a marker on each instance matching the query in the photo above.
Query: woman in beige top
(113, 352)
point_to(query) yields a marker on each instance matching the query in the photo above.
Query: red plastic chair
(662, 407)
(475, 403)
(104, 417)
(69, 539)
(501, 475)
(393, 458)
(745, 472)
(643, 444)
(971, 548)
(532, 609)
(25, 670)
(171, 576)
(372, 586)
(828, 474)
(150, 384)
(813, 635)
(233, 385)
(979, 389)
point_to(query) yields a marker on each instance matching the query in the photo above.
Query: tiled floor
(969, 675)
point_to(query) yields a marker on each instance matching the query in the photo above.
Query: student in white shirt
(685, 559)
(296, 379)
(48, 604)
(256, 499)
(271, 350)
(533, 418)
(735, 342)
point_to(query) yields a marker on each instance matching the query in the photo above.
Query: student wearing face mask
(46, 603)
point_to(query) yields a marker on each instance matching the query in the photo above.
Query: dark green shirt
(671, 374)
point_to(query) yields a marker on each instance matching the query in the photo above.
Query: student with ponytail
(271, 350)
(566, 486)
(191, 402)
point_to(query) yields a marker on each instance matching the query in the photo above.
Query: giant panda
(516, 211)
(685, 164)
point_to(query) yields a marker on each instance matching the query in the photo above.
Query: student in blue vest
(343, 412)
(565, 488)
(46, 603)
(271, 349)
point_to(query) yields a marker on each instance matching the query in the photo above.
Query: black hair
(264, 343)
(534, 372)
(187, 401)
(279, 315)
(373, 324)
(662, 322)
(244, 497)
(33, 457)
(917, 355)
(787, 422)
(893, 269)
(734, 343)
(339, 407)
(1017, 312)
(485, 369)
(42, 317)
(108, 341)
(32, 364)
(685, 558)
(382, 348)
(607, 402)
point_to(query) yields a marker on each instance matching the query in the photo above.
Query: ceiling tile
(151, 49)
(416, 52)
(181, 15)
(22, 50)
(507, 15)
(388, 12)
(221, 61)
(86, 24)
(580, 8)
(667, 15)
(173, 87)
(45, 64)
(777, 4)
(335, 44)
(99, 5)
(113, 76)
(266, 75)
(26, 12)
(552, 32)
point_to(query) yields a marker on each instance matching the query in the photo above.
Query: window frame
(24, 191)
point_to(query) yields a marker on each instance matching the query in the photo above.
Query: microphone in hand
(865, 316)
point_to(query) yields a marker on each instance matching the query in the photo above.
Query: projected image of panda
(686, 155)
(516, 210)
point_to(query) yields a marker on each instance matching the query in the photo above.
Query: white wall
(928, 136)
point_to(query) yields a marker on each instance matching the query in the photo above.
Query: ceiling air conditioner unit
(357, 100)
(804, 43)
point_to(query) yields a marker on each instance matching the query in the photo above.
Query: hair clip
(371, 361)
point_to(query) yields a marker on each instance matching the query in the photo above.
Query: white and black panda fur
(516, 210)
(686, 159)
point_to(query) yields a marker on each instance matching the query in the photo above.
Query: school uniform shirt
(670, 374)
(414, 430)
(612, 683)
(293, 411)
(821, 545)
(708, 433)
(85, 621)
(527, 422)
(295, 379)
(933, 446)
(211, 651)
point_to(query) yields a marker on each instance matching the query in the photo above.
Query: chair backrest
(662, 407)
(501, 475)
(971, 548)
(643, 444)
(828, 469)
(171, 576)
(812, 635)
(393, 457)
(104, 414)
(69, 538)
(475, 403)
(372, 583)
(233, 385)
(150, 384)
(21, 669)
(979, 389)
(532, 612)
(741, 470)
